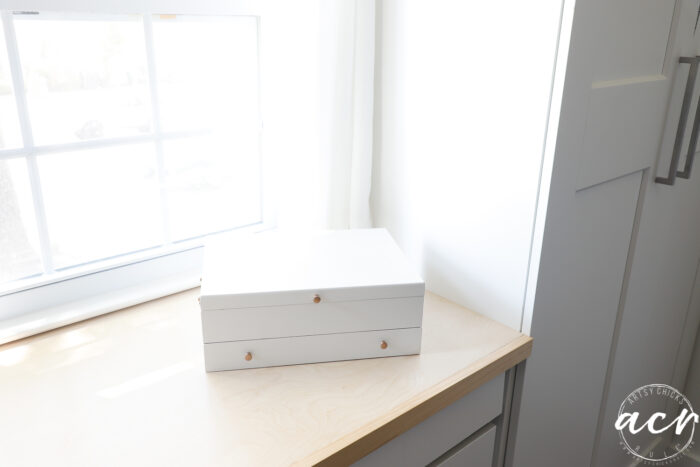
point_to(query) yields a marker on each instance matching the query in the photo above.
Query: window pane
(101, 202)
(19, 242)
(207, 71)
(213, 183)
(85, 79)
(10, 136)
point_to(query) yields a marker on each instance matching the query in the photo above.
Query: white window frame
(61, 297)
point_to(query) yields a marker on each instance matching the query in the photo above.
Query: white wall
(462, 93)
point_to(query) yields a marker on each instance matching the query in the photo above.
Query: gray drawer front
(433, 437)
(476, 451)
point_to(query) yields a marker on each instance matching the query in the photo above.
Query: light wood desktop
(129, 388)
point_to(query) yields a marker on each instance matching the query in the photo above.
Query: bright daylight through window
(121, 134)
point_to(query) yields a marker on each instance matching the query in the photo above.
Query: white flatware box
(274, 299)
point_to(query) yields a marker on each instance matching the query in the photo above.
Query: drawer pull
(248, 356)
(383, 345)
(317, 298)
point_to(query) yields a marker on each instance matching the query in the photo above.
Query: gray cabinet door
(620, 247)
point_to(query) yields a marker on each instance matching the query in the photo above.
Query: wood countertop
(129, 388)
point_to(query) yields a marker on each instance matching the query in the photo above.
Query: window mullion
(28, 140)
(48, 149)
(157, 129)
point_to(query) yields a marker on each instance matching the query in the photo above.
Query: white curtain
(346, 57)
(318, 98)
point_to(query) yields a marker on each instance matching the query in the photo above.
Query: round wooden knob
(383, 345)
(317, 298)
(248, 356)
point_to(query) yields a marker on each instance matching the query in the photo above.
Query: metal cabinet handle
(692, 146)
(680, 132)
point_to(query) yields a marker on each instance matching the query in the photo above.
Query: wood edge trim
(356, 445)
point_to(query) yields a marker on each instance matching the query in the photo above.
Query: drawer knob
(317, 298)
(248, 356)
(383, 345)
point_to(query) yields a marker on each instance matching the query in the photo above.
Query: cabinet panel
(612, 146)
(475, 451)
(580, 282)
(431, 438)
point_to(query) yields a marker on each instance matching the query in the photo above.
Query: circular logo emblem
(656, 424)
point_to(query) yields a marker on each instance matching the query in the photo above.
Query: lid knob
(317, 298)
(248, 356)
(383, 345)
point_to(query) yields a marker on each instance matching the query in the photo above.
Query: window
(123, 135)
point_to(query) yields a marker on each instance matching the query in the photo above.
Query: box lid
(271, 269)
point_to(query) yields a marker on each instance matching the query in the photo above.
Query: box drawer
(310, 349)
(434, 436)
(475, 451)
(315, 318)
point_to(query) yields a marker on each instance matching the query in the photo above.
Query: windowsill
(105, 287)
(50, 318)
